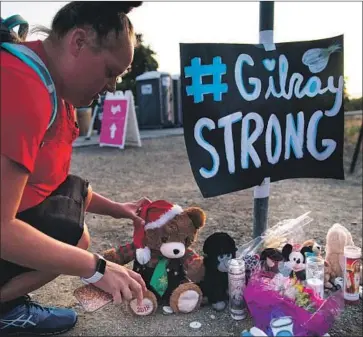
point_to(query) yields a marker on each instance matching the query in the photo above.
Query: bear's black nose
(176, 251)
(298, 261)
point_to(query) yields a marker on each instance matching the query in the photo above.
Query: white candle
(317, 286)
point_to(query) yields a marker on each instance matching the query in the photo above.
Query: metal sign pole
(356, 150)
(261, 193)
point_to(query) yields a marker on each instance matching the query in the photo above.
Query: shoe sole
(39, 333)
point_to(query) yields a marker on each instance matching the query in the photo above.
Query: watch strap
(100, 271)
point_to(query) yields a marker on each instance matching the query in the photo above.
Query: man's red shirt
(25, 113)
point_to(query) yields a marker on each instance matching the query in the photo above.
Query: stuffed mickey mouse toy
(295, 259)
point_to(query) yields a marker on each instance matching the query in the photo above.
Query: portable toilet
(154, 92)
(177, 100)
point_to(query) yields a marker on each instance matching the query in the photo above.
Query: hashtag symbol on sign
(196, 71)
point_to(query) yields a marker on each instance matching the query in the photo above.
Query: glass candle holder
(315, 275)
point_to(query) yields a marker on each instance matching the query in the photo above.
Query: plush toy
(218, 249)
(337, 237)
(162, 255)
(252, 264)
(315, 246)
(270, 259)
(295, 258)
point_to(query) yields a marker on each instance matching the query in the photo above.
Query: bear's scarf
(159, 280)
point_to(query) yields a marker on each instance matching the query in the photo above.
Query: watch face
(101, 266)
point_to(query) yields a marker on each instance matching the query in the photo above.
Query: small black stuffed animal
(218, 249)
(295, 260)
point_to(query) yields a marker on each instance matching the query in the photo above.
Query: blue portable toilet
(154, 97)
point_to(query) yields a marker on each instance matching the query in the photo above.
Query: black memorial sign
(251, 113)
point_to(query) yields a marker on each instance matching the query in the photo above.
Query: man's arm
(103, 206)
(24, 245)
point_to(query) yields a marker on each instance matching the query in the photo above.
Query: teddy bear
(161, 253)
(218, 249)
(336, 239)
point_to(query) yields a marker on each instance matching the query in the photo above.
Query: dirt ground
(160, 169)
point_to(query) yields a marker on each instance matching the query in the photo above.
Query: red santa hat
(155, 214)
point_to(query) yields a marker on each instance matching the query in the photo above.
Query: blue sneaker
(30, 318)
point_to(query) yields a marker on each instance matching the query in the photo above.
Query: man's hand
(122, 283)
(104, 206)
(130, 210)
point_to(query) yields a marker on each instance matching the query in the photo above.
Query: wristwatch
(100, 271)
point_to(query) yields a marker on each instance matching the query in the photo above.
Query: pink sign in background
(113, 126)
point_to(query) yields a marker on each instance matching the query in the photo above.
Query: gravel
(160, 169)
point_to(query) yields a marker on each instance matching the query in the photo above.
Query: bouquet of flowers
(272, 301)
(276, 288)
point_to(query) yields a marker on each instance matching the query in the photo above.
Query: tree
(351, 104)
(143, 61)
